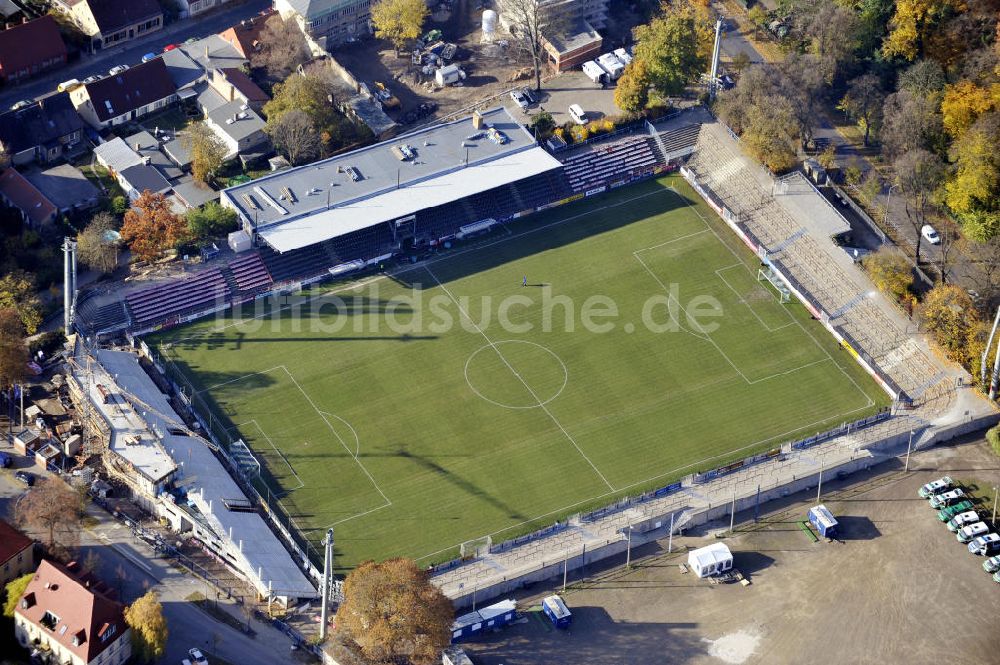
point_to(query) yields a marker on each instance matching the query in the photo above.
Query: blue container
(557, 612)
(824, 521)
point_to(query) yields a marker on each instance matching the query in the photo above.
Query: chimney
(138, 146)
(477, 120)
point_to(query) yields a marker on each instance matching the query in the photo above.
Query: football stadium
(458, 334)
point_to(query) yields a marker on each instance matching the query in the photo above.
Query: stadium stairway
(516, 193)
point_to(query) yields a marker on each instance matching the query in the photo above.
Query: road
(131, 52)
(131, 567)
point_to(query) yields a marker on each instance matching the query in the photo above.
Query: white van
(985, 545)
(612, 65)
(66, 86)
(578, 114)
(967, 533)
(594, 72)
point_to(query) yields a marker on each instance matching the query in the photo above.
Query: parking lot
(896, 587)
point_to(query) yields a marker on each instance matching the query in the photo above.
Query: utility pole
(327, 583)
(670, 539)
(986, 351)
(909, 445)
(732, 514)
(994, 520)
(628, 549)
(819, 486)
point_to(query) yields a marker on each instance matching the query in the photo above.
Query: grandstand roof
(388, 188)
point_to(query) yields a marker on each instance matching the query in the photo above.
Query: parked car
(25, 477)
(971, 531)
(519, 99)
(66, 86)
(115, 71)
(946, 514)
(91, 79)
(942, 484)
(169, 47)
(623, 55)
(149, 56)
(578, 114)
(992, 564)
(960, 520)
(930, 234)
(5, 461)
(197, 657)
(24, 103)
(996, 577)
(985, 545)
(943, 499)
(530, 95)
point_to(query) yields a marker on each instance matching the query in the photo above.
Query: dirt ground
(897, 587)
(491, 69)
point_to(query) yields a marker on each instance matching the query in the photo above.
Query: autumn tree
(211, 220)
(394, 614)
(17, 292)
(55, 508)
(15, 589)
(924, 78)
(950, 316)
(669, 48)
(832, 34)
(863, 103)
(97, 244)
(973, 190)
(295, 135)
(912, 23)
(963, 102)
(399, 21)
(282, 48)
(890, 271)
(13, 348)
(765, 119)
(151, 227)
(314, 93)
(739, 62)
(919, 175)
(149, 627)
(207, 151)
(911, 120)
(632, 90)
(528, 21)
(758, 18)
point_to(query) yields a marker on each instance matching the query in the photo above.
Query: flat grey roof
(194, 194)
(451, 160)
(209, 485)
(579, 34)
(246, 122)
(213, 52)
(371, 113)
(146, 145)
(64, 185)
(143, 177)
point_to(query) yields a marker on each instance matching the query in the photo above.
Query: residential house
(66, 187)
(234, 85)
(329, 22)
(594, 12)
(10, 11)
(245, 35)
(17, 556)
(30, 48)
(240, 128)
(75, 619)
(133, 171)
(43, 132)
(134, 93)
(214, 52)
(195, 7)
(109, 23)
(17, 192)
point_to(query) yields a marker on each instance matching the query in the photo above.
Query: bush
(49, 343)
(993, 438)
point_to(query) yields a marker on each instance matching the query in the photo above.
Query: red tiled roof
(30, 43)
(245, 85)
(12, 542)
(243, 35)
(23, 196)
(86, 613)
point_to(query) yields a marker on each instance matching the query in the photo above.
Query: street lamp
(994, 520)
(888, 199)
(909, 445)
(628, 549)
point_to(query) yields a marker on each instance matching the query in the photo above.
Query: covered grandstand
(410, 194)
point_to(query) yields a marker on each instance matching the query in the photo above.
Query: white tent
(710, 560)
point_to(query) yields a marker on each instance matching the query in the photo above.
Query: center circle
(516, 374)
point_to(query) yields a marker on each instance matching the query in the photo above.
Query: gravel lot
(896, 589)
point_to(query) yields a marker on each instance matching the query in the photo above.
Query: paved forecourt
(447, 401)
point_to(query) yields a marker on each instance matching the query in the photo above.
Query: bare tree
(528, 21)
(282, 48)
(98, 244)
(947, 248)
(919, 174)
(295, 135)
(52, 506)
(863, 103)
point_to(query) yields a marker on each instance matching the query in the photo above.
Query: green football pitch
(447, 400)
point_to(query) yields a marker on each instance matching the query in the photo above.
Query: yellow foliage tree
(975, 182)
(149, 628)
(15, 589)
(399, 21)
(632, 89)
(913, 21)
(891, 272)
(17, 292)
(963, 103)
(950, 316)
